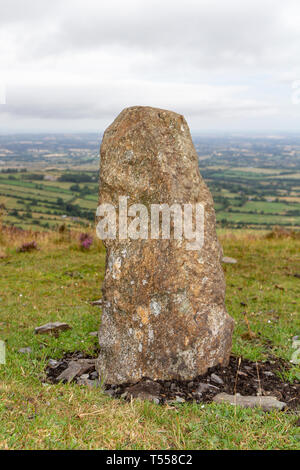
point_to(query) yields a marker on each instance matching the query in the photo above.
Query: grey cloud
(192, 57)
(214, 33)
(107, 99)
(26, 11)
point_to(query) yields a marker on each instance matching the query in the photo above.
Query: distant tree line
(78, 178)
(13, 170)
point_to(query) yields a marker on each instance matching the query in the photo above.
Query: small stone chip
(228, 260)
(266, 403)
(216, 379)
(145, 390)
(26, 350)
(203, 387)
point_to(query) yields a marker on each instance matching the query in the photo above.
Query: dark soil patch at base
(240, 376)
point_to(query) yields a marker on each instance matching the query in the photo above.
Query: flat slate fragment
(163, 310)
(52, 328)
(75, 369)
(266, 403)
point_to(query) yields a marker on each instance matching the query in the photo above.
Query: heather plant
(30, 246)
(86, 241)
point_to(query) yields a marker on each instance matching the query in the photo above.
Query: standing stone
(163, 312)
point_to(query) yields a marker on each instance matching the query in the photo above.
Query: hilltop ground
(57, 282)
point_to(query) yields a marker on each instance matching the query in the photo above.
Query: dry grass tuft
(279, 233)
(12, 238)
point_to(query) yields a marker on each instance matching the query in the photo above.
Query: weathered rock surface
(163, 313)
(266, 403)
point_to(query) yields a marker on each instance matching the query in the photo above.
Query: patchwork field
(242, 199)
(47, 180)
(31, 202)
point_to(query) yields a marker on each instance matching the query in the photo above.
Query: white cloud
(79, 62)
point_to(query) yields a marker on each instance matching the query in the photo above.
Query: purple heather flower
(85, 240)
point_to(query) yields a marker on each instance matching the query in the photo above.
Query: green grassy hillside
(57, 282)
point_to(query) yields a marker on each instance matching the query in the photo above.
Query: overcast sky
(73, 65)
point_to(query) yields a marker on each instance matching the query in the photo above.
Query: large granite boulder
(163, 312)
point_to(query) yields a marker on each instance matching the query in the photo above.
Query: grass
(268, 207)
(260, 219)
(56, 283)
